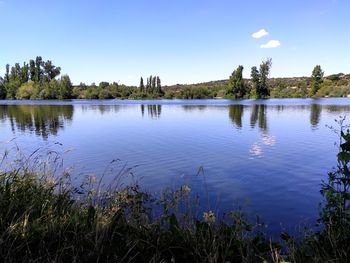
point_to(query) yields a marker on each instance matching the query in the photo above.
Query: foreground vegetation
(44, 218)
(39, 79)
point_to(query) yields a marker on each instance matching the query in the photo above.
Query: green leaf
(173, 222)
(345, 146)
(91, 215)
(344, 157)
(346, 136)
(346, 196)
(285, 236)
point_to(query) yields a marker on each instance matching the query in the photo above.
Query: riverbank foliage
(45, 217)
(39, 79)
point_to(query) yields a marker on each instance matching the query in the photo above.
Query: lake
(266, 156)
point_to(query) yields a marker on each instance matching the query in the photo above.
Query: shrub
(26, 91)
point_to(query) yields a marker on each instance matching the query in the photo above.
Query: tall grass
(45, 218)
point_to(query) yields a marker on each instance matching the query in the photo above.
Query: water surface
(268, 156)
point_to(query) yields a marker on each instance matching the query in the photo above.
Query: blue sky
(182, 41)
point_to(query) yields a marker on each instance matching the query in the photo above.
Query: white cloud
(261, 33)
(271, 44)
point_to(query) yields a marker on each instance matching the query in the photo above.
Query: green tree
(50, 70)
(103, 84)
(255, 75)
(153, 88)
(26, 91)
(16, 74)
(104, 93)
(236, 87)
(7, 73)
(148, 85)
(265, 68)
(260, 78)
(12, 80)
(32, 70)
(51, 89)
(149, 89)
(38, 70)
(24, 73)
(65, 88)
(91, 93)
(142, 86)
(11, 88)
(317, 76)
(159, 86)
(2, 89)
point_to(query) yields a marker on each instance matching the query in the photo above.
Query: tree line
(258, 86)
(39, 79)
(34, 80)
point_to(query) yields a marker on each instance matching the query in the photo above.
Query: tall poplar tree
(142, 86)
(159, 86)
(153, 88)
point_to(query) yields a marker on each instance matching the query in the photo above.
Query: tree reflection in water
(236, 112)
(154, 111)
(315, 115)
(258, 115)
(44, 120)
(102, 109)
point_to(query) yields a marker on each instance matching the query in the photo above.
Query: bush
(26, 91)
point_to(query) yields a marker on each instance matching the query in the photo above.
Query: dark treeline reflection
(47, 120)
(153, 111)
(315, 114)
(44, 120)
(194, 107)
(257, 115)
(316, 110)
(236, 112)
(102, 108)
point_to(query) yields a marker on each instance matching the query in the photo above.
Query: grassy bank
(48, 220)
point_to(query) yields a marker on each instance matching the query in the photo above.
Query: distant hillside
(289, 82)
(335, 85)
(213, 83)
